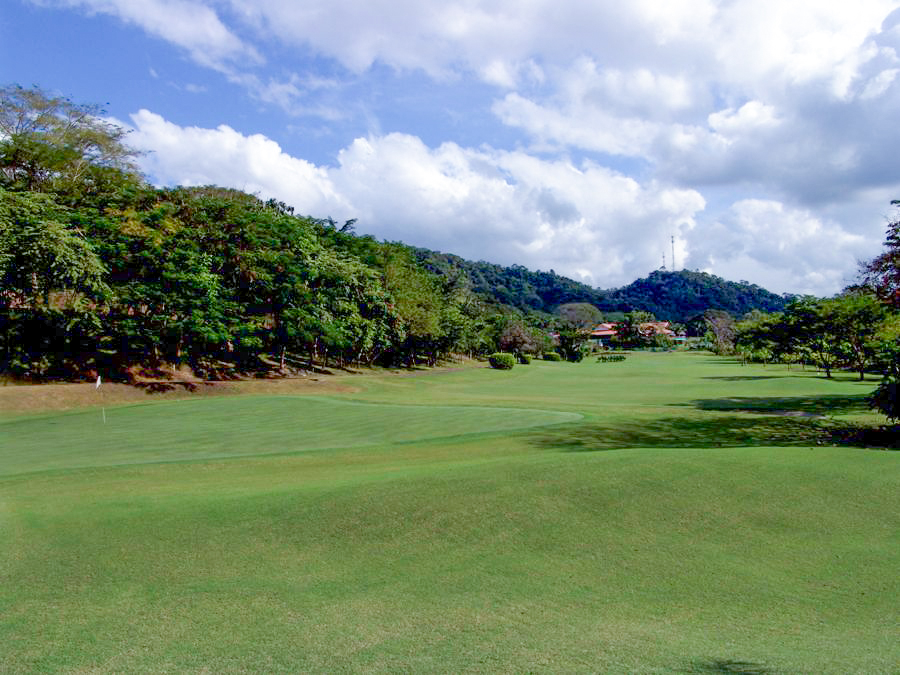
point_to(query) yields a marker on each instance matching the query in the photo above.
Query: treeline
(101, 271)
(857, 330)
(671, 296)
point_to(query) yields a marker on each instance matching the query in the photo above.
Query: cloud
(222, 156)
(794, 249)
(190, 25)
(807, 115)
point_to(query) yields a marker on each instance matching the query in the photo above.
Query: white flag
(98, 383)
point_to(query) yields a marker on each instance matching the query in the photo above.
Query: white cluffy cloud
(584, 221)
(792, 248)
(222, 156)
(189, 24)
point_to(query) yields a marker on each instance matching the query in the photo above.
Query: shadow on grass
(742, 378)
(794, 422)
(683, 432)
(729, 666)
(798, 406)
(165, 387)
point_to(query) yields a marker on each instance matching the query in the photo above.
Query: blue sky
(577, 136)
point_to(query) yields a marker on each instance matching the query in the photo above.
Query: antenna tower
(673, 252)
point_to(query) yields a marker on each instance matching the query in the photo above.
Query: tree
(629, 332)
(882, 273)
(518, 338)
(576, 320)
(721, 328)
(50, 276)
(49, 144)
(856, 317)
(886, 397)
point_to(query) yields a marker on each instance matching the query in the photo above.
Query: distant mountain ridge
(673, 296)
(679, 296)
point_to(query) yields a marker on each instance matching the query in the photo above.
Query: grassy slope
(711, 534)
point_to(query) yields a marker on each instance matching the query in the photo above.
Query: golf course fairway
(676, 512)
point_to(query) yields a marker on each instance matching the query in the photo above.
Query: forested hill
(675, 296)
(679, 296)
(514, 286)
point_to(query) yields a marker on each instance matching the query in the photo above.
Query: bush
(552, 356)
(610, 358)
(502, 361)
(886, 398)
(577, 356)
(524, 359)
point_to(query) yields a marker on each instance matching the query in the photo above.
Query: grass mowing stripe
(222, 427)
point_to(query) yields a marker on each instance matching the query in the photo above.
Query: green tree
(574, 325)
(50, 144)
(629, 332)
(855, 317)
(50, 278)
(882, 275)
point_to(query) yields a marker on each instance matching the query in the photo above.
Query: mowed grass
(673, 513)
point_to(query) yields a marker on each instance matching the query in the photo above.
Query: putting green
(231, 427)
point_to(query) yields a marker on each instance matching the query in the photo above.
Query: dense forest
(103, 273)
(671, 296)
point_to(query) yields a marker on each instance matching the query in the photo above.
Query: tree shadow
(729, 666)
(742, 378)
(790, 405)
(165, 387)
(774, 421)
(687, 432)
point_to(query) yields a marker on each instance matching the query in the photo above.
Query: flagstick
(100, 391)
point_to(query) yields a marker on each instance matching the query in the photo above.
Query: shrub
(577, 356)
(524, 359)
(502, 361)
(886, 398)
(552, 356)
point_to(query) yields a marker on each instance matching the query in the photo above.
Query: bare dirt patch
(22, 398)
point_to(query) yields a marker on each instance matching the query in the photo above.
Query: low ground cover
(676, 513)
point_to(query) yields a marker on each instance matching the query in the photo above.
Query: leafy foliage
(502, 361)
(673, 296)
(680, 296)
(882, 273)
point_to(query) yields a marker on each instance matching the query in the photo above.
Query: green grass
(676, 513)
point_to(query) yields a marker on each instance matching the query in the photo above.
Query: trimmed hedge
(502, 361)
(552, 356)
(524, 359)
(610, 358)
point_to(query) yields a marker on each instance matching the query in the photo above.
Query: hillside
(674, 296)
(679, 296)
(515, 286)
